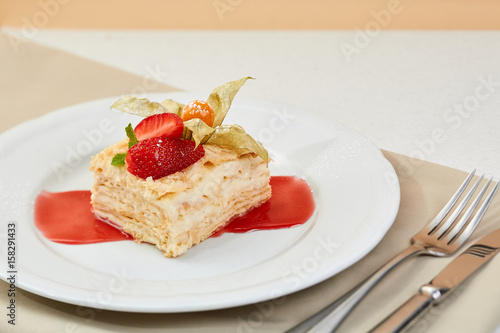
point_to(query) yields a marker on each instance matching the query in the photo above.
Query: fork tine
(460, 225)
(446, 209)
(464, 236)
(449, 222)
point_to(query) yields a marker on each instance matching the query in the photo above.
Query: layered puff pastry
(183, 209)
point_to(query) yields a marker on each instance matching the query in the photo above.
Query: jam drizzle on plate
(67, 217)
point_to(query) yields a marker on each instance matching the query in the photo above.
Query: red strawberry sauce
(67, 217)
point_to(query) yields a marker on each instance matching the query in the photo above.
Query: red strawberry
(163, 124)
(160, 157)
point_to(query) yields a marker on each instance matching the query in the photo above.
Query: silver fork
(439, 238)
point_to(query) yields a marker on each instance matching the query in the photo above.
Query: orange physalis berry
(198, 109)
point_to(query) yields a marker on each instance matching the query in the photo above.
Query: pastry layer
(180, 210)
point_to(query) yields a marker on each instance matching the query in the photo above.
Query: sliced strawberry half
(160, 125)
(161, 156)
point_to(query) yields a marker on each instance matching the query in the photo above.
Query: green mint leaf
(119, 159)
(131, 135)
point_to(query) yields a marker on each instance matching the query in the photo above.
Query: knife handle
(411, 310)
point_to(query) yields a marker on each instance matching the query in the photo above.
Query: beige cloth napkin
(37, 80)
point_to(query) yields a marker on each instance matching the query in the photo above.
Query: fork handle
(329, 319)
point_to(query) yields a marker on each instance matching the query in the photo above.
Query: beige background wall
(251, 14)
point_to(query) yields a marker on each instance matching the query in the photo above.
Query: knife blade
(449, 278)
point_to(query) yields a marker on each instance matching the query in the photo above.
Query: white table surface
(402, 89)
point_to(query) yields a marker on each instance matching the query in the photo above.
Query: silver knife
(450, 277)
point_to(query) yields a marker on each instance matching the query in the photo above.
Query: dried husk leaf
(221, 98)
(138, 106)
(235, 136)
(200, 131)
(173, 106)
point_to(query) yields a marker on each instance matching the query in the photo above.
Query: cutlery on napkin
(449, 278)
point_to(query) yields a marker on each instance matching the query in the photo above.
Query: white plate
(355, 189)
